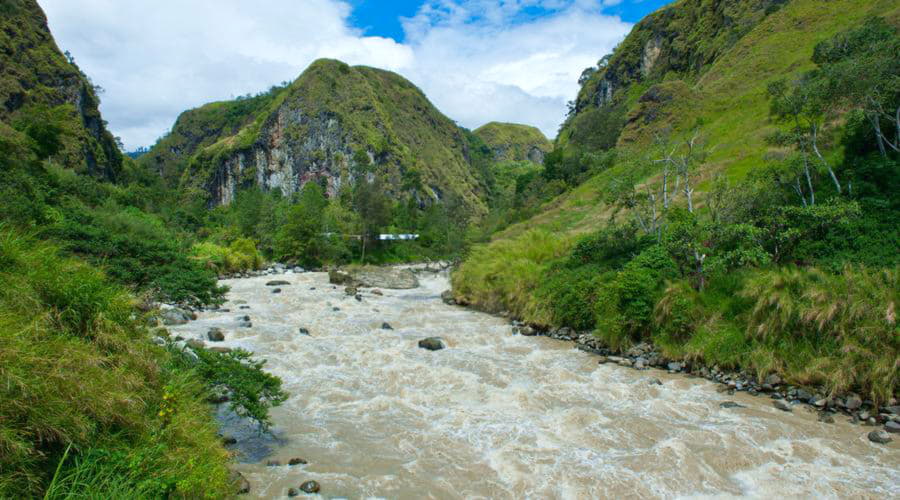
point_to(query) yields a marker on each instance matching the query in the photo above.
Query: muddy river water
(496, 415)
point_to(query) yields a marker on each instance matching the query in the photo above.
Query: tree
(861, 70)
(300, 237)
(371, 204)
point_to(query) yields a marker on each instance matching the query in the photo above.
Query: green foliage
(252, 391)
(850, 317)
(79, 374)
(240, 255)
(511, 142)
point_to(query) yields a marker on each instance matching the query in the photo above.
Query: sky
(476, 60)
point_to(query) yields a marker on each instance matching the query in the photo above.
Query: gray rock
(826, 417)
(215, 335)
(773, 380)
(892, 427)
(310, 487)
(655, 381)
(276, 290)
(292, 492)
(297, 461)
(880, 437)
(432, 344)
(175, 316)
(278, 283)
(640, 363)
(447, 298)
(375, 277)
(674, 366)
(386, 326)
(244, 307)
(245, 324)
(196, 344)
(731, 404)
(159, 341)
(242, 486)
(782, 405)
(852, 402)
(303, 331)
(528, 331)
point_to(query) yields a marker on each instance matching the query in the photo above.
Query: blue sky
(476, 60)
(383, 18)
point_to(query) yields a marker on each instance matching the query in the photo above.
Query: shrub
(79, 374)
(847, 321)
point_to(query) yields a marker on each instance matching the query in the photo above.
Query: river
(496, 415)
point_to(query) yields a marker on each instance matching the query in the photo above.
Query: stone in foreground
(310, 487)
(880, 437)
(432, 344)
(782, 405)
(215, 335)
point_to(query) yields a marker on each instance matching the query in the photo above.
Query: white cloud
(477, 60)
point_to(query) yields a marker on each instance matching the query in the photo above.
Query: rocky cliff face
(317, 129)
(678, 42)
(35, 75)
(514, 142)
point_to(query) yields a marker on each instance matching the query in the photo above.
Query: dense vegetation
(785, 269)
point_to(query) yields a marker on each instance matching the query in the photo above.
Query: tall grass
(501, 276)
(77, 373)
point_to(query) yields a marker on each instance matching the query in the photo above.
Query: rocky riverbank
(884, 419)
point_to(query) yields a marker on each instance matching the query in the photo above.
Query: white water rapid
(501, 416)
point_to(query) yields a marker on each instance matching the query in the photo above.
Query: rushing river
(501, 416)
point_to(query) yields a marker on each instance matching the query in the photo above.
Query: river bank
(503, 415)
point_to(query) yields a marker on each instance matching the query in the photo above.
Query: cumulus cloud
(478, 60)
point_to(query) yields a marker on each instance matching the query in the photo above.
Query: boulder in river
(374, 277)
(892, 427)
(303, 331)
(432, 344)
(297, 461)
(310, 487)
(880, 437)
(292, 493)
(276, 290)
(731, 404)
(782, 405)
(176, 316)
(278, 283)
(386, 326)
(447, 298)
(215, 335)
(242, 486)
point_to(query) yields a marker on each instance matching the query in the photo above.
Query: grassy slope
(729, 99)
(35, 74)
(512, 141)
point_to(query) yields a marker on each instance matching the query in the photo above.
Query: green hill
(38, 84)
(329, 120)
(514, 142)
(693, 65)
(700, 209)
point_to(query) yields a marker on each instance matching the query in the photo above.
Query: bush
(241, 255)
(501, 276)
(78, 373)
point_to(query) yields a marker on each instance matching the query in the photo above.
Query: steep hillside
(40, 88)
(514, 142)
(198, 128)
(330, 120)
(719, 91)
(707, 208)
